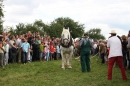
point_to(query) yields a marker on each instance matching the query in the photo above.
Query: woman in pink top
(46, 52)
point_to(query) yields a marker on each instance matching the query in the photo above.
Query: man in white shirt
(19, 43)
(115, 55)
(95, 48)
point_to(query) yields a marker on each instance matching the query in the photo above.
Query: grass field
(50, 74)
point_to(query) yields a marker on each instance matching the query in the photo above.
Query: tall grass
(50, 74)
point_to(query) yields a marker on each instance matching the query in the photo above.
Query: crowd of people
(101, 49)
(115, 50)
(27, 48)
(34, 47)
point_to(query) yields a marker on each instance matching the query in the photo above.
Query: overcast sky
(105, 14)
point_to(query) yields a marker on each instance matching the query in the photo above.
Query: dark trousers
(85, 61)
(129, 60)
(24, 57)
(102, 57)
(34, 56)
(13, 57)
(10, 55)
(54, 55)
(125, 55)
(37, 53)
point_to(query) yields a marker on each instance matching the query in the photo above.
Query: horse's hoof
(69, 67)
(63, 68)
(78, 60)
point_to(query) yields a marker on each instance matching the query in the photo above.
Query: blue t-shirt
(58, 49)
(25, 46)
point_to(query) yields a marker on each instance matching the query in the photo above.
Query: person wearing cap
(85, 46)
(115, 55)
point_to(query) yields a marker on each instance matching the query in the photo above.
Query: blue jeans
(95, 51)
(41, 54)
(47, 56)
(24, 55)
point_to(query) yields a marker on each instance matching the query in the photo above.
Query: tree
(12, 31)
(42, 27)
(57, 25)
(30, 27)
(54, 29)
(1, 15)
(19, 28)
(95, 34)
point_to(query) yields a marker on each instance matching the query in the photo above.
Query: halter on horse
(66, 48)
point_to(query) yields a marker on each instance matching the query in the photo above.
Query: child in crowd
(46, 52)
(54, 55)
(51, 51)
(41, 51)
(57, 51)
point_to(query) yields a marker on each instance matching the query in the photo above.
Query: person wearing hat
(85, 46)
(115, 55)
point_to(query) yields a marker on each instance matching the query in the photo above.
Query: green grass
(51, 74)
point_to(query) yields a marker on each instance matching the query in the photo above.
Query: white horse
(66, 48)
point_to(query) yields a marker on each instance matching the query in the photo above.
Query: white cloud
(104, 14)
(105, 29)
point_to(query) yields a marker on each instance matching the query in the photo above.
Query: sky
(104, 14)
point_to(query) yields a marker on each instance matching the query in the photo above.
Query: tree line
(52, 29)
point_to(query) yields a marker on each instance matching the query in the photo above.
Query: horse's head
(65, 37)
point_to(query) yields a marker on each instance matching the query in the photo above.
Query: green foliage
(95, 33)
(41, 27)
(12, 31)
(20, 28)
(75, 28)
(1, 8)
(54, 29)
(37, 26)
(50, 74)
(1, 15)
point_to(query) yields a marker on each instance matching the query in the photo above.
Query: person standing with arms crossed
(115, 55)
(85, 46)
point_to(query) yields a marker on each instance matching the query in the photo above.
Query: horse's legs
(63, 60)
(69, 58)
